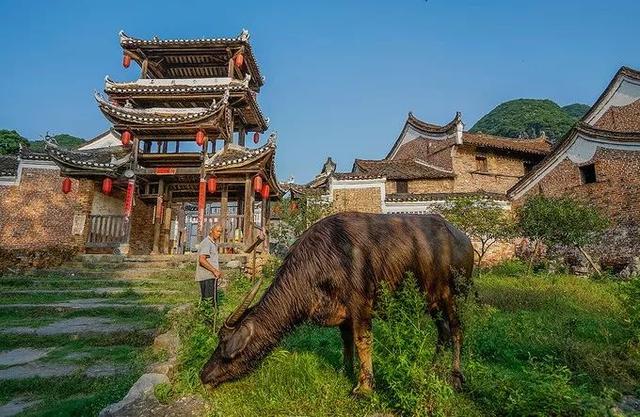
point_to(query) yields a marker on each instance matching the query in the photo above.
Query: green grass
(542, 345)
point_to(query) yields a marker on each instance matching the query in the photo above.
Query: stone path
(105, 290)
(16, 406)
(83, 304)
(22, 355)
(35, 369)
(74, 326)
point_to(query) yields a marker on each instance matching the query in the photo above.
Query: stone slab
(143, 386)
(105, 291)
(33, 370)
(83, 304)
(21, 356)
(104, 369)
(74, 326)
(16, 406)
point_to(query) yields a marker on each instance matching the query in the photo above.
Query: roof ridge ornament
(244, 35)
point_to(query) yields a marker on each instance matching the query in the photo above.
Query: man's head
(216, 231)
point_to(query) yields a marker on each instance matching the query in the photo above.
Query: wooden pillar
(248, 212)
(158, 221)
(224, 212)
(145, 68)
(242, 133)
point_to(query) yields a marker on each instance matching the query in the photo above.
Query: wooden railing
(107, 231)
(232, 228)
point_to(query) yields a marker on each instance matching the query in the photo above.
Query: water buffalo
(332, 275)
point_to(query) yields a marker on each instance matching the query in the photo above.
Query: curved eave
(68, 161)
(425, 129)
(120, 115)
(133, 44)
(609, 90)
(558, 153)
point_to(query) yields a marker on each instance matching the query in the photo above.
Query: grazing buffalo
(332, 276)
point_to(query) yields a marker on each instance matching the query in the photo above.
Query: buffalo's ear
(238, 341)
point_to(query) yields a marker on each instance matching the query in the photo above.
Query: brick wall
(503, 171)
(141, 236)
(430, 186)
(365, 200)
(36, 213)
(616, 193)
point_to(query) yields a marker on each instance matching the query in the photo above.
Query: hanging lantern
(200, 135)
(239, 60)
(126, 137)
(107, 185)
(126, 61)
(265, 191)
(257, 183)
(256, 137)
(212, 184)
(66, 185)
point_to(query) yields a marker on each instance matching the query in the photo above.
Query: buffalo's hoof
(457, 380)
(362, 390)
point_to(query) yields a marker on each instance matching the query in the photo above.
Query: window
(528, 166)
(481, 163)
(588, 173)
(402, 187)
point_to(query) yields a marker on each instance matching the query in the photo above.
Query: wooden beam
(224, 212)
(156, 229)
(248, 211)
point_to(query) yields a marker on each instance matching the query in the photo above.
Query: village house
(175, 161)
(426, 165)
(598, 162)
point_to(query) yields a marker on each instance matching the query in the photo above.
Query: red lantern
(66, 185)
(265, 191)
(126, 61)
(212, 184)
(257, 183)
(294, 206)
(107, 185)
(256, 137)
(239, 60)
(200, 135)
(126, 137)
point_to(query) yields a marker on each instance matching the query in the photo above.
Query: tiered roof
(401, 169)
(192, 58)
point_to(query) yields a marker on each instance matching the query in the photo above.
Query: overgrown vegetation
(561, 221)
(10, 142)
(296, 216)
(528, 118)
(539, 345)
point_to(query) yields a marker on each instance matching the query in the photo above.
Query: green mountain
(64, 140)
(576, 110)
(528, 118)
(10, 141)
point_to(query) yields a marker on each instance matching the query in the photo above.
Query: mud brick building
(426, 165)
(598, 162)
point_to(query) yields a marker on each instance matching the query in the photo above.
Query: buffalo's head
(234, 356)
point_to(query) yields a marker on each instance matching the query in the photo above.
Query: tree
(483, 220)
(10, 142)
(562, 221)
(296, 216)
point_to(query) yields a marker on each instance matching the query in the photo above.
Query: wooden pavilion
(183, 125)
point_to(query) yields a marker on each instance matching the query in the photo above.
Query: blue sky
(341, 76)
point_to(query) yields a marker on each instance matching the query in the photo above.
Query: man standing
(208, 269)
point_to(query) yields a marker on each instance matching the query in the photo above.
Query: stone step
(101, 291)
(76, 325)
(83, 304)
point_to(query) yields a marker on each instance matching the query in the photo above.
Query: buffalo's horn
(235, 316)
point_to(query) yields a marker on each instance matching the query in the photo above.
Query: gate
(107, 231)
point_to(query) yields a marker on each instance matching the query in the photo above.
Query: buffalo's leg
(457, 378)
(444, 333)
(363, 340)
(346, 331)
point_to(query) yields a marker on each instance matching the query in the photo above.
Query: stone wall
(616, 193)
(502, 173)
(366, 200)
(36, 214)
